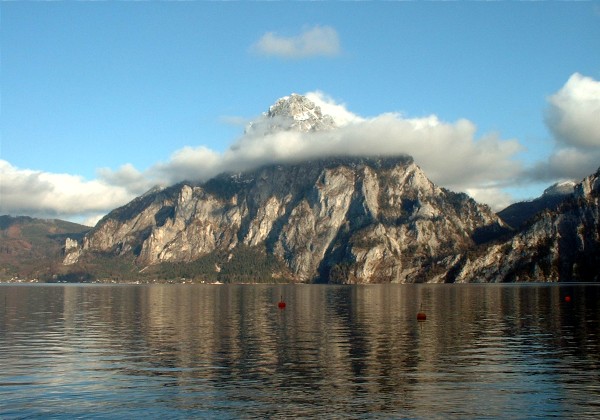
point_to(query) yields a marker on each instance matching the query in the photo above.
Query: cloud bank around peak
(449, 153)
(315, 41)
(452, 154)
(329, 106)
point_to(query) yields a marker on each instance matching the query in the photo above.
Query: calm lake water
(228, 351)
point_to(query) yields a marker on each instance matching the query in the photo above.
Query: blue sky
(105, 97)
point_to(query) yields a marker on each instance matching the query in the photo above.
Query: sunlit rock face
(292, 113)
(352, 220)
(71, 251)
(334, 220)
(557, 245)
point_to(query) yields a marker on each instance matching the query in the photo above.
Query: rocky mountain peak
(589, 186)
(345, 219)
(560, 189)
(292, 113)
(561, 243)
(518, 214)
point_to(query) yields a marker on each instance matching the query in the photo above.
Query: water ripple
(343, 352)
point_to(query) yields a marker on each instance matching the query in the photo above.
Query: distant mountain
(517, 214)
(30, 248)
(562, 244)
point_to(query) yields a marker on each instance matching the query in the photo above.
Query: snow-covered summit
(294, 112)
(560, 188)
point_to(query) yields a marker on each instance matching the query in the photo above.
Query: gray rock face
(336, 220)
(559, 245)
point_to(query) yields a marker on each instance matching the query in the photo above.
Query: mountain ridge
(372, 216)
(517, 214)
(557, 245)
(560, 244)
(335, 219)
(31, 247)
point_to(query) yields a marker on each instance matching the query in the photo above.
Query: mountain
(333, 220)
(368, 219)
(337, 219)
(31, 248)
(517, 214)
(294, 112)
(557, 245)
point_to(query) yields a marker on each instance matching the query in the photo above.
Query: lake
(229, 351)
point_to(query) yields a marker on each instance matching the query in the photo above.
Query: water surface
(228, 351)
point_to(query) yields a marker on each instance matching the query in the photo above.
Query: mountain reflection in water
(228, 351)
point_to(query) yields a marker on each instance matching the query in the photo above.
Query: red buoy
(421, 314)
(281, 304)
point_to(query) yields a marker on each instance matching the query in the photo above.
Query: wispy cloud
(313, 41)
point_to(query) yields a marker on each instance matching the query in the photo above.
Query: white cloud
(449, 153)
(236, 121)
(574, 113)
(44, 194)
(573, 117)
(187, 164)
(566, 163)
(496, 198)
(328, 106)
(126, 177)
(313, 41)
(452, 154)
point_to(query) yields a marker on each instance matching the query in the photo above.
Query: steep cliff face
(336, 220)
(558, 245)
